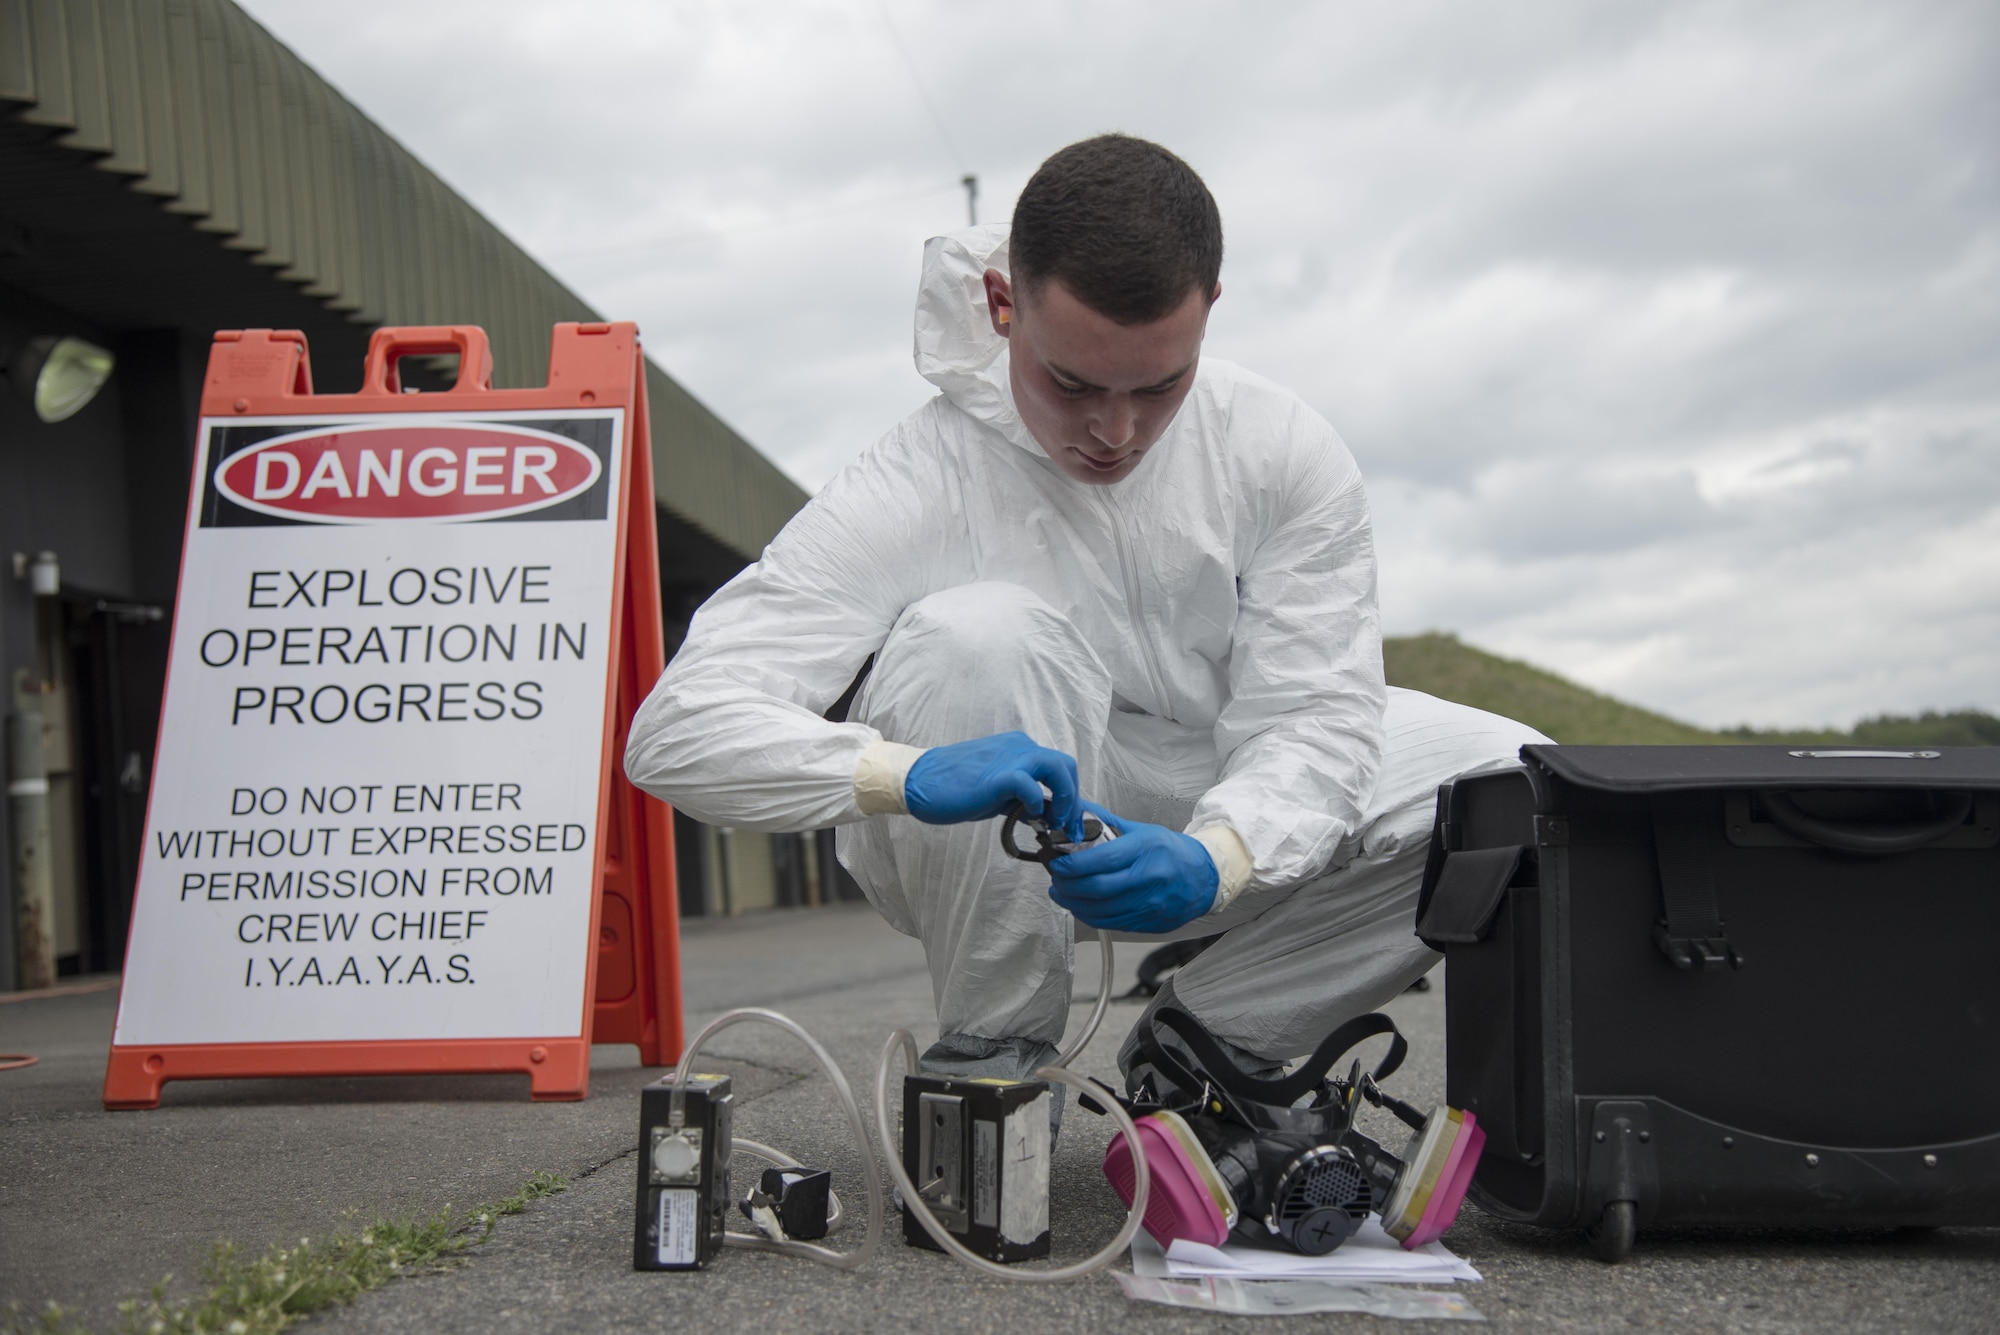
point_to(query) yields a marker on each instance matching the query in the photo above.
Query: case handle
(1866, 838)
(389, 345)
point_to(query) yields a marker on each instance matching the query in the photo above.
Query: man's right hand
(977, 780)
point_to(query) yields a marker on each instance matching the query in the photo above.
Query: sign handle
(387, 347)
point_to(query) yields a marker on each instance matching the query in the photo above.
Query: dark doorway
(118, 672)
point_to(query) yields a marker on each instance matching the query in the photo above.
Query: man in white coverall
(1100, 565)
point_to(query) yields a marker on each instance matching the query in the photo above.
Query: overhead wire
(910, 65)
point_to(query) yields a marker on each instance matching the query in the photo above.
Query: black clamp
(1696, 954)
(1051, 839)
(1365, 1086)
(801, 1198)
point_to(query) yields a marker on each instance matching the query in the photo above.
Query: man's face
(1094, 393)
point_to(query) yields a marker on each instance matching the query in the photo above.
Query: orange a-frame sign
(388, 831)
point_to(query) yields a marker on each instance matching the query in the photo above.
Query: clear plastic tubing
(902, 1039)
(1075, 1049)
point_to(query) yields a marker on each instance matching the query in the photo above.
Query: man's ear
(999, 302)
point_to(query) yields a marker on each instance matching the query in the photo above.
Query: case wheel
(1611, 1236)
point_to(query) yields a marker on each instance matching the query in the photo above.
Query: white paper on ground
(1370, 1256)
(1292, 1297)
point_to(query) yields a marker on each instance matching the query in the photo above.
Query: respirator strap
(1286, 1091)
(1168, 1062)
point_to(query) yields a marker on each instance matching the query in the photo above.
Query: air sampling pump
(979, 1153)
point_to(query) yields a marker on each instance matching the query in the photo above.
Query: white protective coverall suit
(1202, 637)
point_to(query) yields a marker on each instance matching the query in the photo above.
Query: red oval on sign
(366, 474)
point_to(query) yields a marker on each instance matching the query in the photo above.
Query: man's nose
(1116, 425)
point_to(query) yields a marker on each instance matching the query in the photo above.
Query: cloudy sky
(1668, 336)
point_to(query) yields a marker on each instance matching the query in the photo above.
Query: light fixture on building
(45, 575)
(59, 375)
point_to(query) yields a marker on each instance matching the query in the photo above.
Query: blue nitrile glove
(1148, 879)
(978, 779)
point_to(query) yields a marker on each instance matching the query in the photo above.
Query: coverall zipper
(1130, 576)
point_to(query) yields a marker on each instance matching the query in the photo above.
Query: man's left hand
(1148, 879)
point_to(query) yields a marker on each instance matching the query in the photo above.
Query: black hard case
(1832, 1058)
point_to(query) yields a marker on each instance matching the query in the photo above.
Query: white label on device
(986, 1174)
(680, 1217)
(1024, 1206)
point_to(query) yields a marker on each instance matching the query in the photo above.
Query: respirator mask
(1280, 1162)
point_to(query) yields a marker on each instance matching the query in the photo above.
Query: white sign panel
(375, 798)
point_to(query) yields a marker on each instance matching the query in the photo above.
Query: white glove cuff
(879, 777)
(1232, 862)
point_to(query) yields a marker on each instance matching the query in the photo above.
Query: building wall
(739, 871)
(194, 105)
(64, 484)
(168, 168)
(62, 489)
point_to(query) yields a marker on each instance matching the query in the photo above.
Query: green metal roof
(196, 105)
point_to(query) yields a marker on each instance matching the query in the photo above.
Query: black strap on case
(1691, 934)
(1467, 894)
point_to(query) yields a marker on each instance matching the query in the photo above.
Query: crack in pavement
(819, 988)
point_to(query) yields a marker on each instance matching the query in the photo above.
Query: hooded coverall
(1201, 636)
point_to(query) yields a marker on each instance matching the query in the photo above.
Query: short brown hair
(1123, 224)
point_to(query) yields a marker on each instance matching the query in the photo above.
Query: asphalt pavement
(97, 1206)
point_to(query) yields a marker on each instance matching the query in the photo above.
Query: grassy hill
(1440, 665)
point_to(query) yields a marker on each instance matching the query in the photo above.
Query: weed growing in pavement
(264, 1294)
